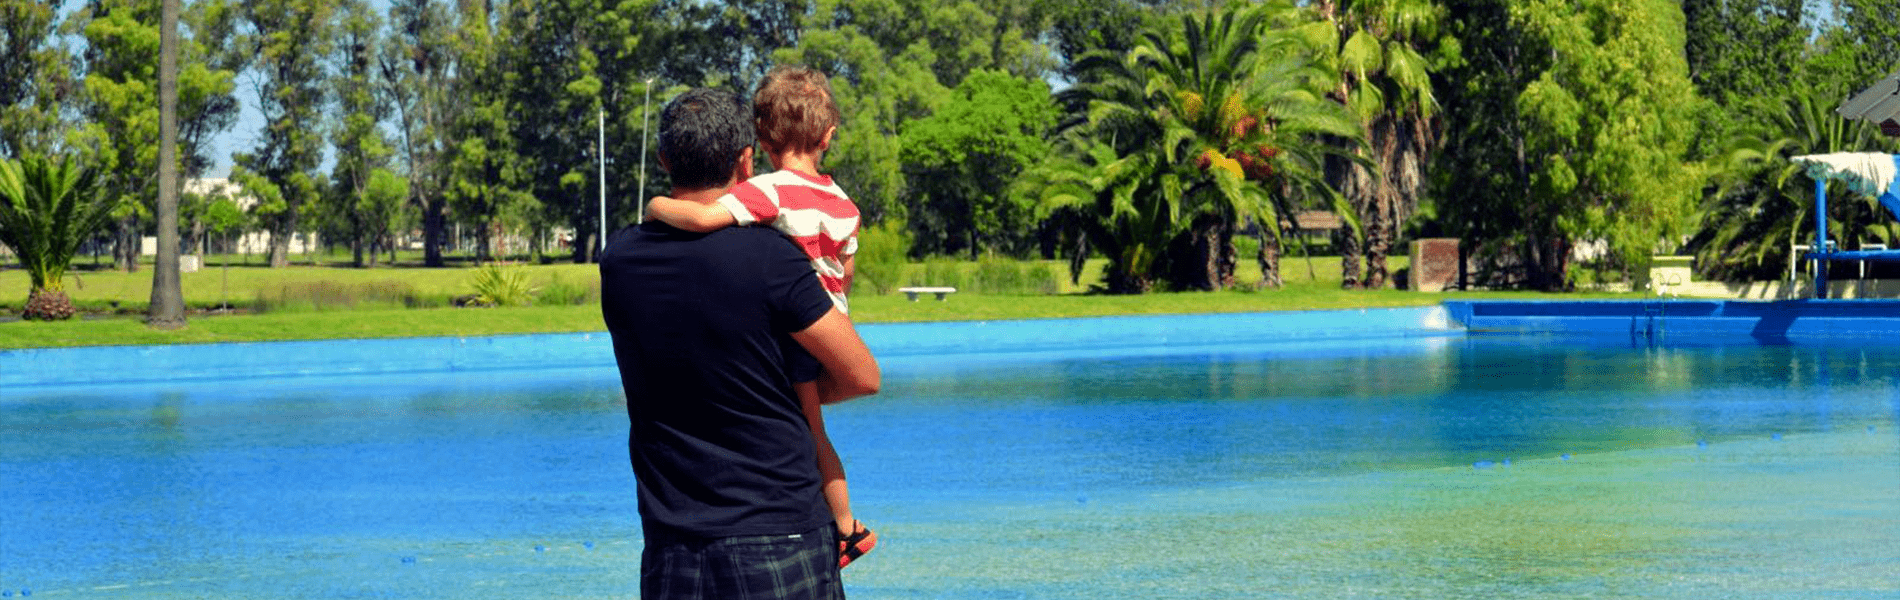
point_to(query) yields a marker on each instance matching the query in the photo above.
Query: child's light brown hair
(794, 108)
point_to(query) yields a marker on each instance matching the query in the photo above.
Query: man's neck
(803, 162)
(700, 196)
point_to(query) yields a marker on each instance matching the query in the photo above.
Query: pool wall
(1780, 321)
(133, 364)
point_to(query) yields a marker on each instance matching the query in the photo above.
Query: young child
(796, 117)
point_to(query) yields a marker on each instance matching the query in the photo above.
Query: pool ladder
(1653, 313)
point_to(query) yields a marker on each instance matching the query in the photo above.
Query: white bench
(939, 291)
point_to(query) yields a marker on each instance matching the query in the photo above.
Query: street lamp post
(600, 126)
(645, 105)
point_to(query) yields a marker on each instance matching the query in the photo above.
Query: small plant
(47, 207)
(496, 285)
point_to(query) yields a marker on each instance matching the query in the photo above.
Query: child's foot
(854, 545)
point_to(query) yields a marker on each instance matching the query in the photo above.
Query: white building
(250, 242)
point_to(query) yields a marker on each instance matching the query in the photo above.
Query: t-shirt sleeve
(792, 287)
(749, 204)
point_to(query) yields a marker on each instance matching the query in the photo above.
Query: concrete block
(1434, 264)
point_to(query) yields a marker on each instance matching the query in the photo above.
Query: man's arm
(691, 216)
(848, 364)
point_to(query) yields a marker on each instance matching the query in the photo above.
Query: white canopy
(1870, 173)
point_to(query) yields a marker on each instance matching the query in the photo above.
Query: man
(730, 498)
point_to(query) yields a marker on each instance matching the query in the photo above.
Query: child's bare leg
(830, 468)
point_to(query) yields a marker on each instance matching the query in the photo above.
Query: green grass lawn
(1316, 288)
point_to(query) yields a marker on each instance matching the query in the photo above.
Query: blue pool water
(1425, 467)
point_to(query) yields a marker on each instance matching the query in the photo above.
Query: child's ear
(826, 143)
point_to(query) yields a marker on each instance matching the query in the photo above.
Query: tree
(1383, 53)
(123, 110)
(167, 310)
(1863, 47)
(222, 216)
(122, 105)
(289, 38)
(35, 77)
(964, 158)
(1113, 26)
(357, 131)
(1199, 131)
(1740, 53)
(1765, 203)
(47, 209)
(417, 66)
(384, 211)
(484, 170)
(1570, 126)
(561, 80)
(894, 61)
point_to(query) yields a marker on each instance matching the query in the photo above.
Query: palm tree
(1377, 49)
(167, 310)
(1195, 133)
(46, 210)
(1765, 203)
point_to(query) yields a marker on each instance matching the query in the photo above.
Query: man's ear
(744, 170)
(665, 168)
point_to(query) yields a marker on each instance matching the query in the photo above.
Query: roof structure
(1878, 104)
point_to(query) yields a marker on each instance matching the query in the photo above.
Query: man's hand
(834, 341)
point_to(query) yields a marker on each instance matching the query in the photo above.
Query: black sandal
(856, 544)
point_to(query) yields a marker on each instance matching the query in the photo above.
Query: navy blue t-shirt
(700, 322)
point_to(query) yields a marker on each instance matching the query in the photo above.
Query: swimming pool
(1428, 466)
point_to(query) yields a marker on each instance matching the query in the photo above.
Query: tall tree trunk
(196, 243)
(279, 248)
(1378, 223)
(434, 231)
(1269, 258)
(1351, 257)
(167, 309)
(128, 244)
(1228, 261)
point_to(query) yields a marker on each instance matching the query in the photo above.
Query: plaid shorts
(762, 567)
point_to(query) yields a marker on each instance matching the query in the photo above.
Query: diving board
(1870, 173)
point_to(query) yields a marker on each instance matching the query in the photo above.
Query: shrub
(496, 285)
(998, 275)
(559, 292)
(1042, 278)
(882, 254)
(332, 295)
(940, 271)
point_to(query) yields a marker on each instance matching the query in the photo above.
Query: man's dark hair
(701, 134)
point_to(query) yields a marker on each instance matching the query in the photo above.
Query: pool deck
(1794, 321)
(1684, 320)
(135, 364)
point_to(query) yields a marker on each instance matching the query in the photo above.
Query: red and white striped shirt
(812, 211)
